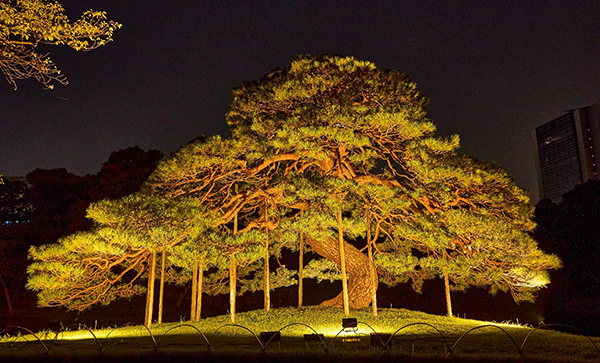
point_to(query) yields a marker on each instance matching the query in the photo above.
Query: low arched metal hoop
(370, 327)
(333, 339)
(100, 348)
(481, 327)
(191, 326)
(108, 335)
(152, 336)
(30, 332)
(415, 324)
(242, 327)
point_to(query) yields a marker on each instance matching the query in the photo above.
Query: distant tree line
(51, 204)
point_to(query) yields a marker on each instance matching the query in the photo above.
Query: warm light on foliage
(104, 264)
(330, 150)
(24, 24)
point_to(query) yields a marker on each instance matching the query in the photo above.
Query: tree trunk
(360, 284)
(11, 311)
(194, 291)
(199, 292)
(267, 286)
(233, 272)
(300, 270)
(150, 292)
(161, 294)
(343, 263)
(448, 300)
(232, 287)
(372, 271)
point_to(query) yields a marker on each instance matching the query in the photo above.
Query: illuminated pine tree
(105, 263)
(25, 24)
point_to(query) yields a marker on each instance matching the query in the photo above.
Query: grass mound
(411, 335)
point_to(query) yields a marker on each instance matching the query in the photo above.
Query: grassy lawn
(418, 337)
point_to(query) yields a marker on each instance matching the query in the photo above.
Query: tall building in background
(566, 151)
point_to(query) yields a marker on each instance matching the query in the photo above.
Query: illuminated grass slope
(415, 342)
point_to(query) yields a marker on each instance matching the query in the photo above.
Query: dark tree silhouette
(571, 229)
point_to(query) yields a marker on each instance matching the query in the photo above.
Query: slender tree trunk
(343, 263)
(161, 294)
(233, 272)
(448, 300)
(300, 270)
(194, 291)
(11, 311)
(232, 287)
(372, 271)
(199, 291)
(267, 286)
(150, 292)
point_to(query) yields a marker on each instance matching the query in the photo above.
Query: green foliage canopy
(329, 135)
(101, 265)
(24, 24)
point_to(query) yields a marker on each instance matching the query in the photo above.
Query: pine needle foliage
(106, 263)
(25, 24)
(340, 152)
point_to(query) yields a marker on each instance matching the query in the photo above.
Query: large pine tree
(336, 152)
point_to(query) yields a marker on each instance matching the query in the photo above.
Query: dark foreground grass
(418, 337)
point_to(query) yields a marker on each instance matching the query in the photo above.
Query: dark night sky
(494, 70)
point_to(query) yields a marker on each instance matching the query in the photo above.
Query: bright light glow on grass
(77, 335)
(332, 329)
(509, 324)
(127, 332)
